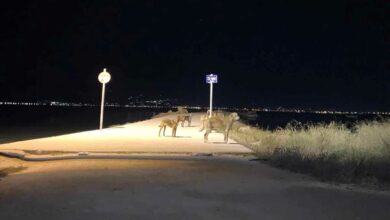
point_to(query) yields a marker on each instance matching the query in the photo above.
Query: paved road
(194, 188)
(178, 189)
(140, 137)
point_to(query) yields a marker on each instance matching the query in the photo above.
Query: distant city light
(156, 104)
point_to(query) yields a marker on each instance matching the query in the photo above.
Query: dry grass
(6, 171)
(329, 151)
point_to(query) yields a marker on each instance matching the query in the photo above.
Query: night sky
(306, 54)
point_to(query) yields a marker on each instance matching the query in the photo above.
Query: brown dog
(217, 124)
(170, 123)
(184, 118)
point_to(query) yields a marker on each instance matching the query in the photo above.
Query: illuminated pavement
(224, 187)
(140, 137)
(178, 189)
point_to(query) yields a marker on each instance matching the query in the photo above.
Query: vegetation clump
(331, 151)
(9, 170)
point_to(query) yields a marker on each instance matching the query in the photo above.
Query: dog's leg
(206, 135)
(174, 132)
(226, 136)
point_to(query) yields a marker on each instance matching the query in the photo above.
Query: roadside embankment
(331, 152)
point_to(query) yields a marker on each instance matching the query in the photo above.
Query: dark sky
(318, 54)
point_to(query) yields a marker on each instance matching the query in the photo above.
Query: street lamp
(104, 77)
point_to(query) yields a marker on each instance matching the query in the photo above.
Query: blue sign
(211, 78)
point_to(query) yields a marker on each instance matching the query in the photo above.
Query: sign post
(104, 77)
(211, 79)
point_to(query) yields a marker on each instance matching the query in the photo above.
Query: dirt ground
(213, 188)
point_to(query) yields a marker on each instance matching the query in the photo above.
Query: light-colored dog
(170, 123)
(217, 124)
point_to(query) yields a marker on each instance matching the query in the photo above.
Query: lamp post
(104, 77)
(211, 79)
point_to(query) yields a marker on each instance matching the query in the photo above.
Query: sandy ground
(178, 189)
(137, 137)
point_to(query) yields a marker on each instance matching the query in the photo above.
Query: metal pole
(102, 106)
(211, 100)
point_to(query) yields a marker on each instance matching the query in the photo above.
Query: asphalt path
(204, 188)
(139, 137)
(148, 180)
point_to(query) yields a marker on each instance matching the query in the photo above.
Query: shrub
(330, 151)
